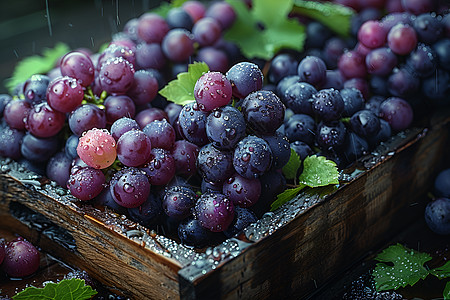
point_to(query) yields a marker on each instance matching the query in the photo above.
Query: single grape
(117, 107)
(428, 27)
(78, 65)
(64, 94)
(316, 35)
(331, 135)
(282, 65)
(161, 134)
(130, 187)
(333, 49)
(97, 148)
(16, 112)
(116, 76)
(272, 184)
(215, 165)
(144, 88)
(353, 101)
(43, 121)
(86, 183)
(58, 168)
(437, 216)
(244, 192)
(397, 112)
(351, 64)
(193, 234)
(116, 51)
(284, 84)
(122, 125)
(402, 39)
(207, 31)
(243, 218)
(380, 61)
(150, 56)
(372, 34)
(422, 61)
(279, 146)
(300, 127)
(312, 70)
(365, 123)
(298, 97)
(402, 83)
(302, 149)
(212, 90)
(152, 28)
(38, 149)
(214, 211)
(442, 184)
(105, 199)
(334, 80)
(382, 135)
(149, 212)
(85, 117)
(177, 17)
(195, 9)
(225, 127)
(328, 104)
(10, 141)
(355, 147)
(35, 88)
(222, 12)
(21, 258)
(185, 155)
(216, 59)
(192, 122)
(245, 78)
(178, 202)
(178, 45)
(134, 148)
(252, 157)
(161, 168)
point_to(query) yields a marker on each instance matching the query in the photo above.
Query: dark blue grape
(179, 18)
(35, 88)
(243, 218)
(382, 135)
(355, 147)
(193, 234)
(284, 84)
(39, 149)
(71, 146)
(334, 80)
(245, 78)
(353, 101)
(298, 97)
(437, 216)
(328, 104)
(442, 184)
(281, 151)
(58, 168)
(178, 202)
(331, 136)
(123, 125)
(193, 124)
(428, 27)
(442, 50)
(86, 117)
(302, 149)
(252, 157)
(300, 127)
(422, 61)
(105, 199)
(225, 127)
(379, 86)
(272, 184)
(365, 123)
(316, 35)
(282, 65)
(333, 49)
(215, 165)
(10, 142)
(312, 69)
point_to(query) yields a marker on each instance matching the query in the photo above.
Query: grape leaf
(73, 289)
(36, 64)
(290, 169)
(319, 171)
(285, 196)
(334, 16)
(407, 267)
(181, 90)
(446, 293)
(442, 272)
(265, 28)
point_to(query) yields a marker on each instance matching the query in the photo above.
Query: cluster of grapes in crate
(211, 167)
(18, 258)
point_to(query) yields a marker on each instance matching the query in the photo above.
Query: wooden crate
(288, 253)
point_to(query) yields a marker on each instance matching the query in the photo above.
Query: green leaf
(278, 30)
(334, 16)
(73, 289)
(285, 196)
(36, 64)
(442, 272)
(290, 169)
(446, 293)
(181, 90)
(318, 171)
(407, 267)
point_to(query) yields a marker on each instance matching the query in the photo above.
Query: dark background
(24, 28)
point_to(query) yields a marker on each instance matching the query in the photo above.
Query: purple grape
(161, 134)
(86, 183)
(397, 112)
(380, 61)
(43, 121)
(244, 192)
(272, 184)
(365, 123)
(195, 9)
(279, 146)
(193, 234)
(442, 50)
(134, 148)
(150, 56)
(382, 135)
(21, 258)
(282, 65)
(300, 127)
(351, 64)
(185, 156)
(178, 202)
(78, 65)
(149, 115)
(16, 112)
(263, 111)
(252, 157)
(312, 70)
(302, 149)
(105, 199)
(328, 104)
(298, 97)
(331, 135)
(10, 142)
(212, 90)
(333, 49)
(402, 83)
(372, 34)
(216, 59)
(284, 84)
(152, 28)
(64, 94)
(422, 61)
(178, 45)
(116, 76)
(402, 39)
(177, 17)
(418, 6)
(35, 88)
(85, 117)
(4, 100)
(144, 88)
(38, 149)
(58, 168)
(442, 184)
(215, 165)
(117, 107)
(161, 167)
(122, 125)
(130, 187)
(355, 147)
(222, 12)
(245, 78)
(367, 13)
(149, 212)
(116, 51)
(429, 28)
(225, 127)
(207, 31)
(437, 216)
(392, 19)
(192, 122)
(214, 211)
(360, 84)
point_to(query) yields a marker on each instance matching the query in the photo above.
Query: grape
(149, 212)
(397, 112)
(302, 149)
(64, 94)
(117, 107)
(116, 76)
(334, 80)
(429, 28)
(207, 31)
(243, 218)
(16, 112)
(393, 19)
(372, 34)
(284, 84)
(38, 149)
(85, 117)
(4, 100)
(380, 61)
(316, 35)
(418, 6)
(442, 49)
(58, 168)
(215, 165)
(367, 13)
(298, 97)
(35, 88)
(382, 135)
(150, 56)
(214, 211)
(312, 70)
(442, 184)
(149, 115)
(282, 65)
(195, 9)
(193, 124)
(105, 199)
(216, 59)
(130, 187)
(185, 155)
(222, 12)
(331, 135)
(21, 258)
(437, 216)
(122, 39)
(78, 65)
(361, 50)
(177, 17)
(86, 183)
(43, 121)
(178, 45)
(353, 101)
(301, 127)
(272, 184)
(161, 168)
(144, 88)
(252, 157)
(121, 126)
(333, 49)
(378, 86)
(192, 234)
(402, 83)
(365, 123)
(279, 146)
(355, 147)
(212, 90)
(161, 134)
(152, 28)
(328, 104)
(402, 39)
(225, 127)
(97, 148)
(360, 84)
(263, 111)
(134, 148)
(244, 192)
(245, 78)
(422, 61)
(10, 142)
(351, 64)
(115, 51)
(178, 202)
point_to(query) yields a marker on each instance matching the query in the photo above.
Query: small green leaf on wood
(318, 171)
(285, 197)
(290, 169)
(181, 90)
(73, 289)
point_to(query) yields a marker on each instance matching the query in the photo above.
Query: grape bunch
(18, 258)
